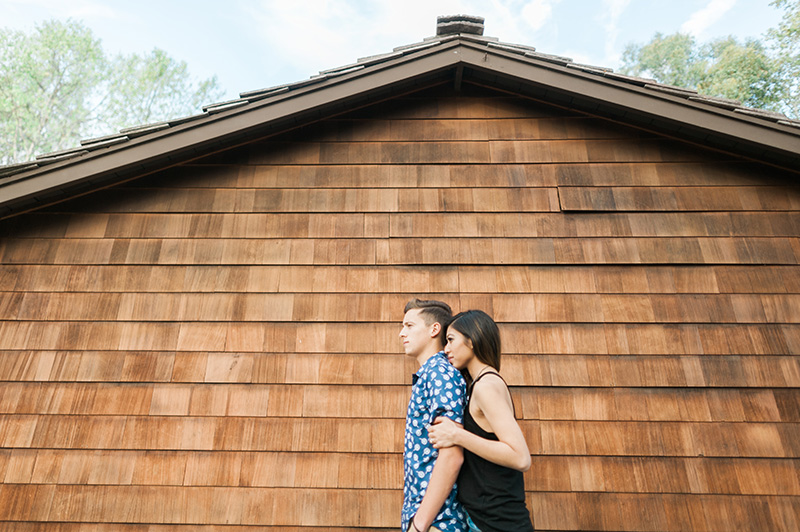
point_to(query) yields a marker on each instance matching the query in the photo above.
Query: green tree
(58, 86)
(785, 44)
(148, 88)
(671, 59)
(761, 74)
(742, 72)
(724, 67)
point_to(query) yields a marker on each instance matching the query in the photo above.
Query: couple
(487, 455)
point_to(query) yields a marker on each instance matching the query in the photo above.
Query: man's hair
(432, 311)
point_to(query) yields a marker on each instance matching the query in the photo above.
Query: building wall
(217, 343)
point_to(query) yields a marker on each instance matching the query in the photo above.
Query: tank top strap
(482, 375)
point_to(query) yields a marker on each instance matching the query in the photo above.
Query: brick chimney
(446, 25)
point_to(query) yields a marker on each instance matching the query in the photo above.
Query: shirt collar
(415, 376)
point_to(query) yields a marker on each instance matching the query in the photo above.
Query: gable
(454, 58)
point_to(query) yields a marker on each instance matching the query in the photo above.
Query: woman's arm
(490, 395)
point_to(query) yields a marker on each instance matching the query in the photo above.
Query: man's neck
(427, 354)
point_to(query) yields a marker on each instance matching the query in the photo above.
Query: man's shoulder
(439, 367)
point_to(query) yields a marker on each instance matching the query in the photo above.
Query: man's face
(415, 335)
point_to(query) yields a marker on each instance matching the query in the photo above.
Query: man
(429, 502)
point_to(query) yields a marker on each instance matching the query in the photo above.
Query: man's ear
(436, 328)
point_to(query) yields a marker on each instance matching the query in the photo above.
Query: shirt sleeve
(446, 393)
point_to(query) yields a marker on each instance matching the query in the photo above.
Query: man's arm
(443, 477)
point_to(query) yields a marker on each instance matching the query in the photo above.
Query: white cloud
(612, 11)
(322, 34)
(701, 20)
(536, 13)
(330, 33)
(77, 9)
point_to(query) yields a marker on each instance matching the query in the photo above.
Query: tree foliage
(785, 44)
(671, 59)
(148, 88)
(760, 74)
(58, 86)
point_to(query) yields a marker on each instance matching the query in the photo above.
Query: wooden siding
(214, 347)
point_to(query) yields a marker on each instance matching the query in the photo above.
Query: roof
(458, 53)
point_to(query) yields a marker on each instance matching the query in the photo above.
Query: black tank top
(493, 495)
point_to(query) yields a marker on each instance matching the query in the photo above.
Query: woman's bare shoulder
(490, 384)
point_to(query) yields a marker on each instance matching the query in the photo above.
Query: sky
(254, 44)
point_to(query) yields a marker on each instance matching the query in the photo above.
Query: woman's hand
(443, 432)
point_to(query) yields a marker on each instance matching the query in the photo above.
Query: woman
(490, 484)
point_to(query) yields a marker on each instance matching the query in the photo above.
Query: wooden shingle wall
(217, 345)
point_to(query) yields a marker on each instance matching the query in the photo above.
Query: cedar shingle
(726, 198)
(488, 220)
(712, 250)
(320, 337)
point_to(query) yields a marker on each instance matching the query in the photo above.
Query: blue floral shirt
(438, 390)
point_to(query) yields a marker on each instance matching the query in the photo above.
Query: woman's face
(458, 349)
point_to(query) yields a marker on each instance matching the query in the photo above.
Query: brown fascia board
(494, 67)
